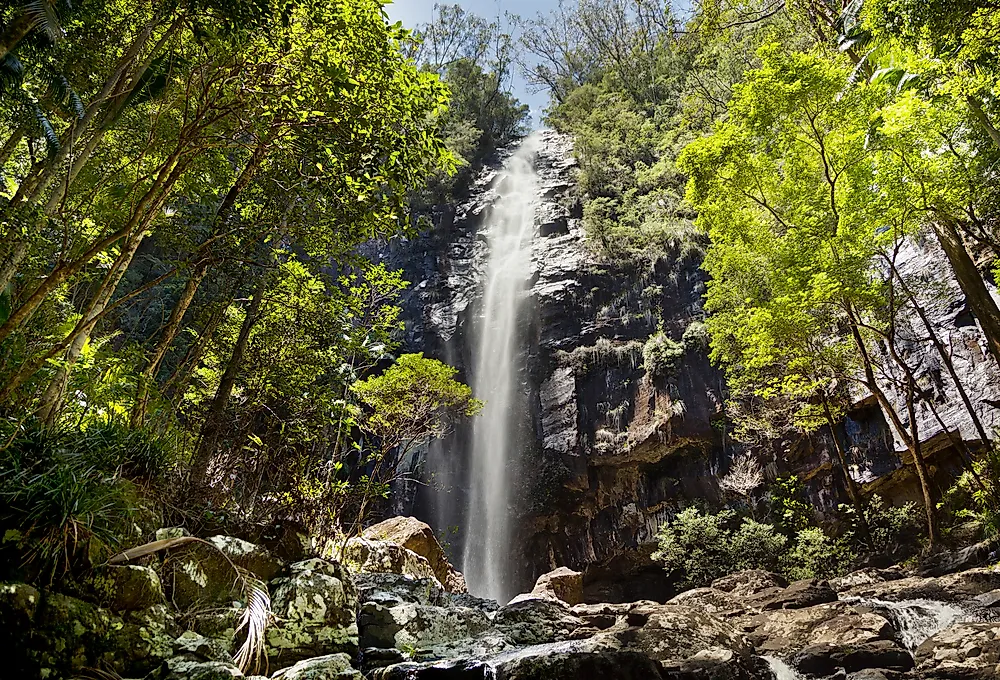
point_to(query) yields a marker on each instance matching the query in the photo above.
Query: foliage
(66, 495)
(661, 355)
(817, 555)
(789, 508)
(695, 547)
(888, 529)
(973, 496)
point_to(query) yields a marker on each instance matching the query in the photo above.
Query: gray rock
(250, 556)
(129, 587)
(533, 620)
(315, 613)
(183, 668)
(562, 584)
(197, 646)
(804, 593)
(710, 600)
(749, 582)
(410, 626)
(826, 659)
(329, 667)
(171, 532)
(199, 575)
(970, 651)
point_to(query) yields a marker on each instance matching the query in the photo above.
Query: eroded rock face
(418, 537)
(610, 453)
(749, 582)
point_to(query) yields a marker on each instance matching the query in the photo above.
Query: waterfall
(917, 620)
(509, 230)
(781, 670)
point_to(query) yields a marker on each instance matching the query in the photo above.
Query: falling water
(509, 230)
(917, 620)
(781, 670)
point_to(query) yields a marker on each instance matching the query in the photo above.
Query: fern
(43, 13)
(51, 138)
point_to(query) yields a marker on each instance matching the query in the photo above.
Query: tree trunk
(52, 398)
(911, 441)
(166, 340)
(945, 356)
(921, 466)
(178, 379)
(852, 487)
(142, 215)
(981, 302)
(209, 439)
(15, 30)
(976, 107)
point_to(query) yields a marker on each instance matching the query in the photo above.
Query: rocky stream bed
(394, 609)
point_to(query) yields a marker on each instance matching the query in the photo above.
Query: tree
(414, 400)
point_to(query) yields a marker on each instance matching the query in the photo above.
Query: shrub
(661, 355)
(790, 512)
(66, 498)
(757, 545)
(695, 547)
(889, 527)
(975, 499)
(816, 555)
(696, 336)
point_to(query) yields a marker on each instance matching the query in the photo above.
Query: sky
(414, 12)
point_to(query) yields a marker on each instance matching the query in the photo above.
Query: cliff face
(608, 452)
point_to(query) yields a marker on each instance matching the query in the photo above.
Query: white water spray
(917, 620)
(781, 670)
(509, 230)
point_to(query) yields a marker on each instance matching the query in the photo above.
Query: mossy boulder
(328, 667)
(315, 610)
(128, 587)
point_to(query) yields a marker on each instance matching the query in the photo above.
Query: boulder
(364, 555)
(971, 556)
(969, 651)
(710, 600)
(200, 576)
(749, 582)
(254, 558)
(145, 640)
(826, 659)
(197, 646)
(315, 613)
(837, 625)
(393, 589)
(329, 667)
(805, 593)
(533, 620)
(218, 625)
(69, 634)
(184, 668)
(562, 584)
(864, 577)
(957, 587)
(411, 626)
(18, 605)
(418, 537)
(128, 587)
(171, 532)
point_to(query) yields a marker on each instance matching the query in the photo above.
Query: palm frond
(11, 72)
(51, 138)
(66, 96)
(254, 621)
(43, 14)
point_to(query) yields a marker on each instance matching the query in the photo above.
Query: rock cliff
(609, 451)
